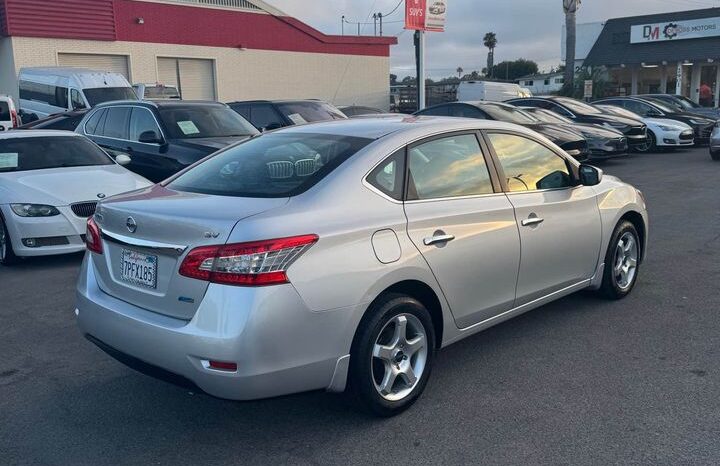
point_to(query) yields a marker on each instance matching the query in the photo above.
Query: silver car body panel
(297, 336)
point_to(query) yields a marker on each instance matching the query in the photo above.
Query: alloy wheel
(626, 260)
(399, 357)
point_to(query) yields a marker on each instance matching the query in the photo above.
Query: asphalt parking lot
(580, 381)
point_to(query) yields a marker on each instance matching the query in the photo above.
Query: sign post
(588, 89)
(421, 16)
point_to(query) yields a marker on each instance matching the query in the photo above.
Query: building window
(529, 83)
(559, 80)
(547, 82)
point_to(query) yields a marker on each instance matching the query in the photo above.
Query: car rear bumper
(279, 346)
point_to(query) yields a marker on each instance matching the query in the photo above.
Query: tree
(490, 41)
(460, 71)
(570, 8)
(514, 69)
(393, 79)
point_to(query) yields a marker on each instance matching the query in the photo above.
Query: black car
(604, 142)
(684, 104)
(570, 141)
(648, 107)
(163, 137)
(358, 110)
(66, 121)
(575, 110)
(267, 115)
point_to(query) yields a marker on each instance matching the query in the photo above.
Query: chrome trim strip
(141, 243)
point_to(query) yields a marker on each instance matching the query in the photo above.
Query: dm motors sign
(675, 30)
(425, 15)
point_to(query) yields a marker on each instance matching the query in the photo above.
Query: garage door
(111, 63)
(194, 78)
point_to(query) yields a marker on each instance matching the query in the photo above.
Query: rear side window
(94, 124)
(448, 167)
(116, 123)
(389, 176)
(264, 116)
(272, 165)
(4, 111)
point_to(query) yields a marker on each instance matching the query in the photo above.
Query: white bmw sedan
(50, 183)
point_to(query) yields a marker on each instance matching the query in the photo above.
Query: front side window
(4, 111)
(99, 95)
(528, 165)
(37, 153)
(448, 167)
(204, 121)
(640, 108)
(76, 100)
(272, 165)
(141, 122)
(264, 116)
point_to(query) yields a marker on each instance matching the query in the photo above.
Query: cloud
(526, 28)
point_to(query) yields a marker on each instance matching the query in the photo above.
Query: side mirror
(590, 176)
(123, 159)
(150, 137)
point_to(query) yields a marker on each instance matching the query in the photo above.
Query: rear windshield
(99, 95)
(204, 121)
(161, 92)
(508, 113)
(37, 153)
(307, 112)
(272, 165)
(4, 112)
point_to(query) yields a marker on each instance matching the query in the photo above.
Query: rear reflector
(258, 263)
(223, 366)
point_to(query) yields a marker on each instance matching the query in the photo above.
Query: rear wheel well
(639, 224)
(423, 293)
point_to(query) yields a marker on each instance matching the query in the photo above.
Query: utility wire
(394, 9)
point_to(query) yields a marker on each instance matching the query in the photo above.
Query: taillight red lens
(92, 238)
(258, 263)
(13, 115)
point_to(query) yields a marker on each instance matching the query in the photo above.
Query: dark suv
(163, 137)
(634, 130)
(267, 115)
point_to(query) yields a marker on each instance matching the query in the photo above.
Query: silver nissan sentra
(342, 255)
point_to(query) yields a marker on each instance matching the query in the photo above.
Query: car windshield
(308, 112)
(99, 95)
(663, 106)
(204, 121)
(272, 165)
(4, 111)
(576, 106)
(619, 111)
(549, 117)
(687, 103)
(161, 92)
(38, 153)
(508, 113)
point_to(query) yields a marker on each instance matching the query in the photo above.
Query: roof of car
(37, 133)
(281, 101)
(160, 103)
(376, 128)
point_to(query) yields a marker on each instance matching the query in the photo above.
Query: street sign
(588, 89)
(426, 15)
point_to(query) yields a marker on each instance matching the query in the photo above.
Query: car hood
(666, 122)
(596, 132)
(556, 133)
(606, 118)
(210, 144)
(63, 186)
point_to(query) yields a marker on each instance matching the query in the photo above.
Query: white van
(490, 91)
(156, 91)
(8, 114)
(44, 91)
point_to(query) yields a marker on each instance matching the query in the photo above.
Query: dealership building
(676, 53)
(211, 49)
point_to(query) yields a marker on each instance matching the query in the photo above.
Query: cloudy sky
(525, 28)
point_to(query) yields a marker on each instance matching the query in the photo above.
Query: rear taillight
(259, 263)
(13, 115)
(92, 238)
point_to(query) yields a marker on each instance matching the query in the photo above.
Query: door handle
(437, 239)
(532, 221)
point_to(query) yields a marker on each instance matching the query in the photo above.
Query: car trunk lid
(147, 234)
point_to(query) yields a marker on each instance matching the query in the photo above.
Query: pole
(342, 25)
(375, 24)
(420, 60)
(380, 15)
(358, 28)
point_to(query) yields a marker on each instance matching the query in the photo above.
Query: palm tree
(460, 71)
(570, 8)
(490, 41)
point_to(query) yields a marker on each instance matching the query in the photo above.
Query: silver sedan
(343, 255)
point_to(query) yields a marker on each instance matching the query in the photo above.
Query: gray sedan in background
(344, 254)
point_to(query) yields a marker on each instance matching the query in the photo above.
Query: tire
(7, 254)
(622, 262)
(372, 371)
(651, 145)
(715, 155)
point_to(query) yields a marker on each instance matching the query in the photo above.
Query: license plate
(138, 268)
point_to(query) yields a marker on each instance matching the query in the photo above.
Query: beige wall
(240, 74)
